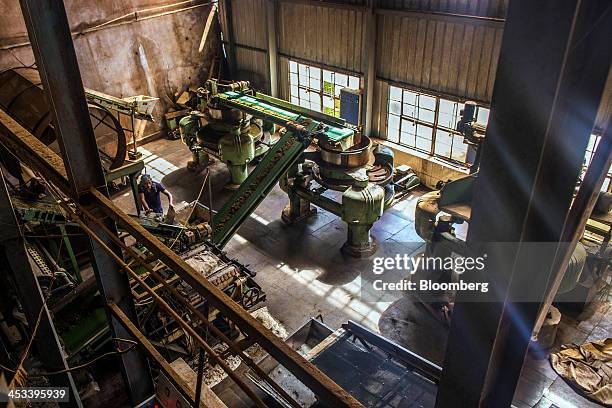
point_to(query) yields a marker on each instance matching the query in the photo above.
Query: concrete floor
(304, 274)
(299, 267)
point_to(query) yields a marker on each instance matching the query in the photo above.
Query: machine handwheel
(250, 297)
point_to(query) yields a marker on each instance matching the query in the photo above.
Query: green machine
(235, 137)
(315, 154)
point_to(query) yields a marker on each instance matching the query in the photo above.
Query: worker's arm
(143, 202)
(169, 195)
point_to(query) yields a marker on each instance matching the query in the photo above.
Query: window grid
(588, 157)
(427, 124)
(318, 89)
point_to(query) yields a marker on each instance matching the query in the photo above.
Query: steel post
(51, 40)
(554, 61)
(47, 342)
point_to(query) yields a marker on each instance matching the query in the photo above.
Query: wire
(132, 343)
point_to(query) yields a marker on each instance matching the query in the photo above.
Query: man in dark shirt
(150, 197)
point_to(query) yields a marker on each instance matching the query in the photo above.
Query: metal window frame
(435, 126)
(321, 92)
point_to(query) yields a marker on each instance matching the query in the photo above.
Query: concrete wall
(149, 47)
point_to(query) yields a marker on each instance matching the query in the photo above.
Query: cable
(132, 343)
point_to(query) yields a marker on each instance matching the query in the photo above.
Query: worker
(150, 197)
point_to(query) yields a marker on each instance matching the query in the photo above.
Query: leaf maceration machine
(312, 155)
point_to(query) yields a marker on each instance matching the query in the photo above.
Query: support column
(370, 77)
(46, 339)
(51, 40)
(552, 69)
(231, 41)
(271, 6)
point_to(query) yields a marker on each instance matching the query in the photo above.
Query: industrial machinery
(59, 259)
(439, 213)
(315, 154)
(22, 97)
(233, 136)
(375, 370)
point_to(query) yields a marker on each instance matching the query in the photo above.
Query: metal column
(51, 40)
(271, 6)
(370, 77)
(553, 65)
(47, 342)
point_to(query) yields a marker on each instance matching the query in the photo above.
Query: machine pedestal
(292, 215)
(359, 244)
(238, 173)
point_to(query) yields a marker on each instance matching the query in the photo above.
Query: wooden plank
(208, 399)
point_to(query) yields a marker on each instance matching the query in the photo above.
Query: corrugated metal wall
(483, 8)
(430, 45)
(330, 36)
(442, 56)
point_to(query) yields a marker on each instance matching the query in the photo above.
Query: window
(593, 142)
(427, 123)
(318, 89)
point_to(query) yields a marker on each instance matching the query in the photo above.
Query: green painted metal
(254, 189)
(71, 255)
(269, 110)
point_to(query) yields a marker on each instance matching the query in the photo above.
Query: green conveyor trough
(285, 153)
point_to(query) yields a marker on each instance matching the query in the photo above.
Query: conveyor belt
(254, 189)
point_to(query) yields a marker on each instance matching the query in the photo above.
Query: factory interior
(305, 203)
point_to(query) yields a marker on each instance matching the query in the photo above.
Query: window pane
(314, 97)
(409, 110)
(304, 103)
(328, 102)
(293, 66)
(393, 134)
(315, 72)
(294, 90)
(424, 131)
(295, 100)
(482, 116)
(408, 126)
(315, 83)
(426, 115)
(448, 115)
(328, 87)
(395, 93)
(459, 152)
(328, 76)
(395, 108)
(303, 94)
(427, 102)
(407, 133)
(341, 79)
(303, 70)
(393, 123)
(353, 82)
(293, 79)
(423, 144)
(443, 143)
(410, 97)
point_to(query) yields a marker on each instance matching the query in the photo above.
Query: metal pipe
(271, 6)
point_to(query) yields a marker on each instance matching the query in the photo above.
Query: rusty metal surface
(23, 144)
(305, 371)
(42, 159)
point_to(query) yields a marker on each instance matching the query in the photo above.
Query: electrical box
(350, 104)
